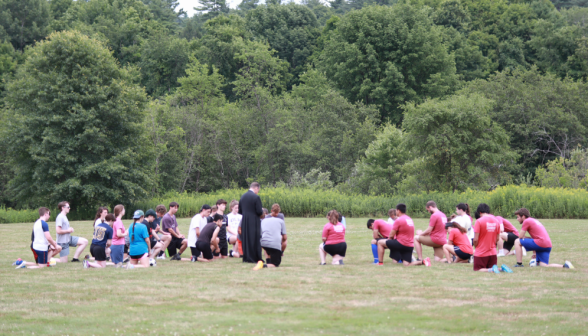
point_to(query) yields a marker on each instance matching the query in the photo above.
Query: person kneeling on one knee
(333, 240)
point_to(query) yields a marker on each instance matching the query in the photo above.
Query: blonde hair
(276, 209)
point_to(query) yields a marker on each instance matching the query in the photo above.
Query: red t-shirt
(461, 240)
(404, 230)
(383, 227)
(537, 232)
(437, 222)
(508, 227)
(335, 234)
(488, 228)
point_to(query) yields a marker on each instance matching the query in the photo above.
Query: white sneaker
(471, 259)
(161, 257)
(524, 251)
(501, 253)
(130, 266)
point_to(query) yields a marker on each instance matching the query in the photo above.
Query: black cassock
(250, 208)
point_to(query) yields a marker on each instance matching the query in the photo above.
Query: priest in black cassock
(250, 208)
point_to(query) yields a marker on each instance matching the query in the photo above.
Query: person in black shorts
(221, 206)
(208, 240)
(149, 221)
(178, 241)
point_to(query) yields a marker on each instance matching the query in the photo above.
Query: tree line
(112, 101)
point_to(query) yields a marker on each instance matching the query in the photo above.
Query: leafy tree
(192, 28)
(8, 63)
(165, 11)
(559, 4)
(24, 21)
(247, 5)
(212, 8)
(387, 56)
(74, 132)
(565, 173)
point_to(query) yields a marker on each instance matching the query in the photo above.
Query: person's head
(101, 213)
(477, 214)
(392, 214)
(110, 219)
(400, 209)
(213, 210)
(483, 208)
(276, 210)
(234, 206)
(63, 207)
(218, 219)
(205, 210)
(119, 211)
(333, 217)
(431, 207)
(173, 208)
(264, 214)
(370, 223)
(522, 214)
(255, 187)
(221, 205)
(44, 213)
(161, 210)
(451, 225)
(462, 209)
(138, 216)
(150, 215)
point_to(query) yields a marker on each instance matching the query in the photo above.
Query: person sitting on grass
(170, 225)
(458, 246)
(539, 243)
(42, 244)
(400, 241)
(102, 239)
(273, 237)
(380, 231)
(486, 232)
(333, 240)
(392, 216)
(64, 237)
(208, 241)
(435, 235)
(199, 220)
(508, 235)
(139, 242)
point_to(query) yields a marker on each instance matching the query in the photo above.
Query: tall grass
(299, 202)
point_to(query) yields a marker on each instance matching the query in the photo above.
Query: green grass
(300, 297)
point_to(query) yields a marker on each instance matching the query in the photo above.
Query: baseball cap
(138, 214)
(150, 212)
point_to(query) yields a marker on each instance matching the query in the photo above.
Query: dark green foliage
(23, 22)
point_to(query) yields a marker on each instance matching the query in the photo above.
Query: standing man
(170, 225)
(250, 208)
(435, 235)
(64, 237)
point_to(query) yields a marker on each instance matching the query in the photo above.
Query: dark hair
(464, 207)
(457, 226)
(133, 226)
(118, 209)
(523, 212)
(333, 217)
(370, 222)
(431, 204)
(340, 216)
(61, 205)
(174, 204)
(220, 201)
(265, 212)
(98, 213)
(160, 209)
(401, 207)
(43, 211)
(217, 217)
(477, 214)
(110, 218)
(483, 208)
(254, 185)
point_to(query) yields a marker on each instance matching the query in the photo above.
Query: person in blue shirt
(101, 241)
(139, 242)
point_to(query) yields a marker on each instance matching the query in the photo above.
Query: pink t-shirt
(118, 224)
(404, 230)
(383, 227)
(488, 228)
(335, 234)
(537, 232)
(437, 222)
(508, 227)
(461, 240)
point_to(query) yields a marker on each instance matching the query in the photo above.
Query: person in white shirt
(41, 240)
(464, 220)
(391, 216)
(233, 221)
(197, 223)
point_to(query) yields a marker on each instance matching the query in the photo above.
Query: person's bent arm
(108, 242)
(120, 234)
(450, 242)
(392, 234)
(148, 246)
(173, 233)
(522, 234)
(180, 235)
(476, 236)
(59, 230)
(377, 234)
(427, 231)
(284, 238)
(231, 230)
(213, 240)
(50, 239)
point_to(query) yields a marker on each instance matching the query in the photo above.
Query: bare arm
(120, 234)
(180, 235)
(148, 246)
(450, 242)
(476, 236)
(214, 236)
(427, 231)
(377, 234)
(59, 230)
(284, 238)
(108, 242)
(522, 234)
(392, 234)
(231, 230)
(173, 233)
(50, 239)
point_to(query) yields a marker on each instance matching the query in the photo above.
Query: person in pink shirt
(381, 230)
(400, 241)
(508, 235)
(539, 242)
(118, 236)
(435, 235)
(458, 244)
(486, 231)
(333, 240)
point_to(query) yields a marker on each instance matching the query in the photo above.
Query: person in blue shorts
(43, 246)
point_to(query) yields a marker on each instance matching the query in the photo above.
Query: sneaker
(427, 262)
(517, 265)
(17, 262)
(568, 264)
(193, 259)
(130, 266)
(341, 262)
(22, 265)
(322, 264)
(119, 265)
(524, 251)
(495, 269)
(453, 259)
(85, 263)
(176, 257)
(258, 266)
(471, 259)
(77, 260)
(413, 259)
(230, 253)
(126, 260)
(505, 269)
(501, 254)
(161, 257)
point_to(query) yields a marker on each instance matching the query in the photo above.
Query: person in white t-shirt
(233, 221)
(197, 223)
(41, 241)
(392, 216)
(464, 220)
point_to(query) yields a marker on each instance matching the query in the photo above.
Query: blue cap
(138, 214)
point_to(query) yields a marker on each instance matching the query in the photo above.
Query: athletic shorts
(204, 247)
(41, 257)
(98, 252)
(484, 262)
(153, 242)
(509, 243)
(335, 249)
(73, 242)
(139, 256)
(195, 252)
(126, 249)
(224, 247)
(541, 252)
(461, 254)
(174, 245)
(398, 251)
(275, 256)
(117, 253)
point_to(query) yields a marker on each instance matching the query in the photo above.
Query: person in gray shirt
(273, 237)
(64, 237)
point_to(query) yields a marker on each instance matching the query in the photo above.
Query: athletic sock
(375, 252)
(519, 263)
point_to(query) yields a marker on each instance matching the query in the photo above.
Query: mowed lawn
(300, 298)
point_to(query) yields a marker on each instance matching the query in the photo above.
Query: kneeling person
(273, 236)
(458, 245)
(42, 245)
(208, 242)
(381, 230)
(100, 242)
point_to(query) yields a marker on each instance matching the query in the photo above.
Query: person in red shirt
(435, 235)
(381, 230)
(333, 240)
(486, 232)
(508, 235)
(539, 243)
(458, 244)
(401, 241)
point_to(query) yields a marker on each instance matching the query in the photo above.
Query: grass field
(300, 297)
